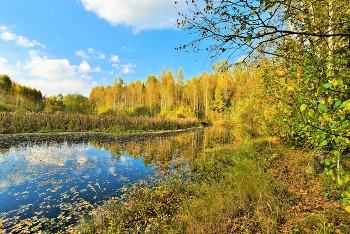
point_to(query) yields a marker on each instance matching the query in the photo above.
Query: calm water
(49, 180)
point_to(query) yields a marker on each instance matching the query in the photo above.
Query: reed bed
(11, 123)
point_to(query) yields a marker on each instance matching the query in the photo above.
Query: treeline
(243, 95)
(23, 98)
(234, 94)
(227, 94)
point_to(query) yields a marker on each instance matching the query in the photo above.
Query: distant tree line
(220, 96)
(15, 94)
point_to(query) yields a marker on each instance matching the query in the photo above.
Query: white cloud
(112, 170)
(82, 54)
(127, 48)
(3, 28)
(92, 51)
(53, 76)
(3, 60)
(84, 67)
(127, 68)
(241, 58)
(7, 36)
(101, 56)
(48, 155)
(52, 69)
(139, 14)
(7, 68)
(22, 41)
(96, 69)
(59, 86)
(124, 68)
(34, 53)
(104, 79)
(114, 58)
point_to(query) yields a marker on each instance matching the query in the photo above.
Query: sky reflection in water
(38, 180)
(52, 180)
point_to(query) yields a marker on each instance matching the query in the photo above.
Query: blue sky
(68, 46)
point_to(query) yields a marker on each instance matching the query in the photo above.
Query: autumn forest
(208, 97)
(281, 94)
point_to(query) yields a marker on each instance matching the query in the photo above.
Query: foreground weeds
(237, 196)
(144, 207)
(256, 187)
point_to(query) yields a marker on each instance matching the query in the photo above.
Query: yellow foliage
(340, 182)
(347, 208)
(347, 107)
(290, 88)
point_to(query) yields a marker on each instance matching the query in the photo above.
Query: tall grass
(235, 197)
(39, 122)
(223, 192)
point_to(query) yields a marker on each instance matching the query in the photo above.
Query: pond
(44, 181)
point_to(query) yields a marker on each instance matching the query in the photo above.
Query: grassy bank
(39, 122)
(256, 187)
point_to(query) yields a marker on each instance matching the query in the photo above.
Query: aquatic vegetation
(40, 122)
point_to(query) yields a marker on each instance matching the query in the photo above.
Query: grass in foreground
(254, 188)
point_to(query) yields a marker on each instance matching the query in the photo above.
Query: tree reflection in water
(48, 182)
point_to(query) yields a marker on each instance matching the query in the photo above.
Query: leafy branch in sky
(241, 27)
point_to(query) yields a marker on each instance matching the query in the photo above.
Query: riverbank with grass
(11, 123)
(250, 187)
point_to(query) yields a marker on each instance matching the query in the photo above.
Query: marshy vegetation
(39, 122)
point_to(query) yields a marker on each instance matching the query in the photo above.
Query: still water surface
(48, 180)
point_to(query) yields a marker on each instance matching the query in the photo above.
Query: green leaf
(334, 124)
(327, 162)
(337, 153)
(323, 143)
(322, 108)
(337, 103)
(343, 105)
(330, 72)
(303, 107)
(339, 82)
(327, 85)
